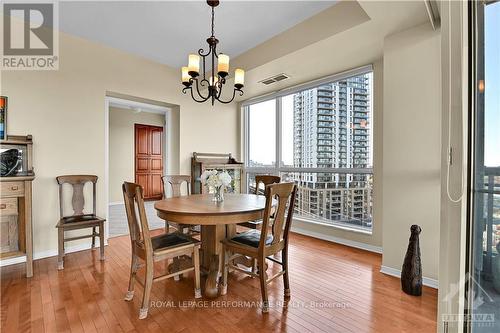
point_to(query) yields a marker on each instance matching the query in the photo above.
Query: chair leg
(176, 267)
(286, 281)
(131, 282)
(60, 257)
(196, 262)
(101, 239)
(143, 312)
(263, 285)
(225, 270)
(93, 236)
(255, 267)
(167, 227)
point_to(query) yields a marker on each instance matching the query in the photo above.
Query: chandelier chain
(213, 21)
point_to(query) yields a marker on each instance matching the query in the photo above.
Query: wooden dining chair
(263, 244)
(78, 220)
(265, 180)
(157, 248)
(175, 182)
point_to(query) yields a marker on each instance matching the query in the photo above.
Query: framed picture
(3, 118)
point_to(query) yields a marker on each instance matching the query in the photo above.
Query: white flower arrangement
(215, 179)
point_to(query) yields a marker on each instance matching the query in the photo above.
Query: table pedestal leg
(211, 236)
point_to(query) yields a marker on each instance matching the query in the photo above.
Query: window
(262, 134)
(321, 136)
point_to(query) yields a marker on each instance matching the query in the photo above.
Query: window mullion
(278, 135)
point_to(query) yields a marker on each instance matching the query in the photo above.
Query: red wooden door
(149, 160)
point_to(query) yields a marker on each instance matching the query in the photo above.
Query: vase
(218, 194)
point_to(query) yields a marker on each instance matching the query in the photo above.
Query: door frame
(168, 132)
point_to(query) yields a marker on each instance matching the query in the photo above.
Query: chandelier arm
(215, 51)
(213, 64)
(197, 100)
(232, 98)
(220, 84)
(203, 81)
(200, 94)
(192, 94)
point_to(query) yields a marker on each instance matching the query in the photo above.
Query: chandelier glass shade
(203, 85)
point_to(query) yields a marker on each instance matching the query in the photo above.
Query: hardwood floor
(334, 288)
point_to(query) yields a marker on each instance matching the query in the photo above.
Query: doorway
(149, 160)
(157, 153)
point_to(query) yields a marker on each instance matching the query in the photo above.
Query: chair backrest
(139, 230)
(175, 182)
(285, 194)
(78, 200)
(266, 180)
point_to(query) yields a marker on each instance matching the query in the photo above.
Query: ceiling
(167, 31)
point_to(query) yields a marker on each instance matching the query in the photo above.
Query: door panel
(149, 160)
(142, 164)
(156, 164)
(143, 181)
(156, 186)
(156, 146)
(142, 140)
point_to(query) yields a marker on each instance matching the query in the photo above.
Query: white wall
(122, 146)
(64, 111)
(412, 145)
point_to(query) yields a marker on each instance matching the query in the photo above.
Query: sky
(492, 85)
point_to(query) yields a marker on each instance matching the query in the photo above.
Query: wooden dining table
(218, 221)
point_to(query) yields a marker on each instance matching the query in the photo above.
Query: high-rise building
(332, 130)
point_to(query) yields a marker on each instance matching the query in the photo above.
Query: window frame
(279, 167)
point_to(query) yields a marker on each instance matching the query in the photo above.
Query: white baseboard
(432, 283)
(47, 254)
(343, 241)
(12, 261)
(116, 203)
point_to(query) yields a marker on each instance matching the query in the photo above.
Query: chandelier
(213, 81)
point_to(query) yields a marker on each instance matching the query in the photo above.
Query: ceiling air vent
(276, 78)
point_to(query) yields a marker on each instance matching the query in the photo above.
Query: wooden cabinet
(16, 238)
(209, 161)
(149, 160)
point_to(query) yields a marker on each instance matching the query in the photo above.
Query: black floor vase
(411, 274)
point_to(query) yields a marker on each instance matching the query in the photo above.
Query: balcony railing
(343, 199)
(488, 199)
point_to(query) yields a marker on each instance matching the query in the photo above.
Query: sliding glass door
(484, 282)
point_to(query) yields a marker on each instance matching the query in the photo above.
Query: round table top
(200, 209)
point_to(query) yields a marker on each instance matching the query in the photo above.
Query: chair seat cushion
(81, 218)
(251, 224)
(174, 239)
(251, 238)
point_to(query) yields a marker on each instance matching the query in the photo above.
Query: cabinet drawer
(12, 189)
(8, 206)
